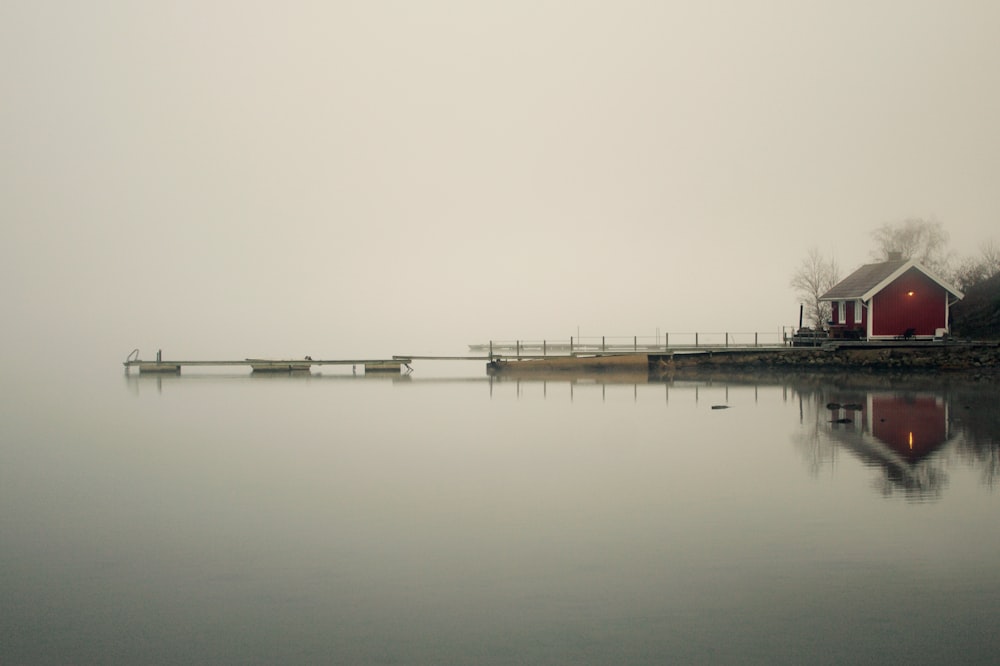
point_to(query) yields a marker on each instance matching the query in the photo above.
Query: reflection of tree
(817, 450)
(976, 420)
(921, 481)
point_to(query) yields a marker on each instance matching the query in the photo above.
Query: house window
(857, 312)
(841, 317)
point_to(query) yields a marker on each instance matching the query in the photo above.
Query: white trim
(858, 304)
(841, 312)
(947, 314)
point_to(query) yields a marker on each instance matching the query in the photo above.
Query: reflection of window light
(911, 441)
(909, 293)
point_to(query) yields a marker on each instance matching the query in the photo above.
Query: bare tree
(813, 278)
(974, 270)
(915, 238)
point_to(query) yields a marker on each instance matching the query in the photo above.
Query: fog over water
(226, 179)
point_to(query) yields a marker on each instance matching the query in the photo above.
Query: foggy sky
(229, 179)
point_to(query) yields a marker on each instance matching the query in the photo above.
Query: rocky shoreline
(971, 359)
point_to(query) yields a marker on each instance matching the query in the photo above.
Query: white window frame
(841, 315)
(857, 311)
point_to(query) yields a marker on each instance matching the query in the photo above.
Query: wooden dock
(587, 350)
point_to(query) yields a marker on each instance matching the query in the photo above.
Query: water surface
(445, 517)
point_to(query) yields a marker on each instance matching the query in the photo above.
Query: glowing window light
(911, 441)
(909, 293)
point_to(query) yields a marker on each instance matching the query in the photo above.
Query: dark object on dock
(833, 405)
(855, 406)
(842, 421)
(720, 406)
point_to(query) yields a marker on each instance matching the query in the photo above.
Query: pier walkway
(496, 351)
(660, 344)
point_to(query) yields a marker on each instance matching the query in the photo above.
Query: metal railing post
(696, 339)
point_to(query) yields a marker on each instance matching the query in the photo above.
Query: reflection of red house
(893, 299)
(912, 426)
(898, 432)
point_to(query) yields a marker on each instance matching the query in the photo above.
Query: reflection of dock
(576, 365)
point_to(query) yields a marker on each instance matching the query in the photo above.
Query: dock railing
(666, 342)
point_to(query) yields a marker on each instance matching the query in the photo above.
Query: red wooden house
(891, 300)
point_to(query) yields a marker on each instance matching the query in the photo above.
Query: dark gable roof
(860, 281)
(872, 278)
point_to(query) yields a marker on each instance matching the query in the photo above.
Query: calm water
(446, 518)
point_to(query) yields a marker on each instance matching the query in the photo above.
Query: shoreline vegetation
(971, 360)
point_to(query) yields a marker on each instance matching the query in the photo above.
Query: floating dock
(268, 365)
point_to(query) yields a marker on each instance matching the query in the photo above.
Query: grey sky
(241, 178)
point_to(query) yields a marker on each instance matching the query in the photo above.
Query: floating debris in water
(720, 406)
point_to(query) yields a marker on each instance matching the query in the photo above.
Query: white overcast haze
(230, 179)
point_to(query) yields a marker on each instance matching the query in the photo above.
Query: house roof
(872, 278)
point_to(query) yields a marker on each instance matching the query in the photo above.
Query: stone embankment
(972, 359)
